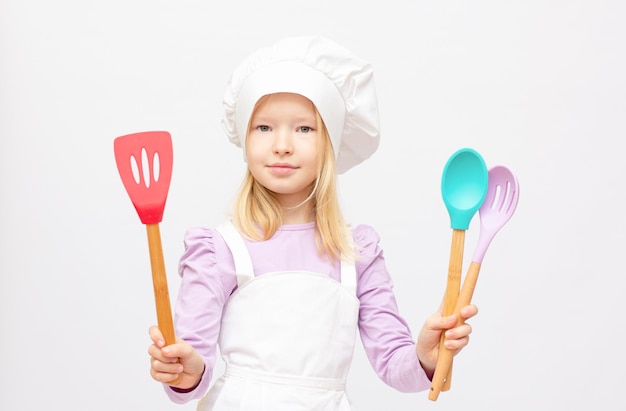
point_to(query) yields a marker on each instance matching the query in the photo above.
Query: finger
(167, 375)
(469, 311)
(166, 354)
(438, 323)
(165, 367)
(174, 352)
(156, 336)
(448, 321)
(456, 333)
(163, 377)
(158, 354)
(456, 344)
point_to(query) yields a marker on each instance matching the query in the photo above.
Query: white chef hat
(339, 84)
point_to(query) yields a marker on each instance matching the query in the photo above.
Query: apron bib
(287, 339)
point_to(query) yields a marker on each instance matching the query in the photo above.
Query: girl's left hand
(428, 340)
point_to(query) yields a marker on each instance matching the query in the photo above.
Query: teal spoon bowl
(464, 186)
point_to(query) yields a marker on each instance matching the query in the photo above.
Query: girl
(283, 287)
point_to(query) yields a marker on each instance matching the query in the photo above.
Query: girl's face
(282, 146)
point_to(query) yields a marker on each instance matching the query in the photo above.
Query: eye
(263, 128)
(305, 129)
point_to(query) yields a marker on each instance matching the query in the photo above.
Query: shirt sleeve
(385, 335)
(203, 291)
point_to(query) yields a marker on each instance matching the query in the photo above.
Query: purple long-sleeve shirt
(208, 279)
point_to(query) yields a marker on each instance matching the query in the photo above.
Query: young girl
(283, 287)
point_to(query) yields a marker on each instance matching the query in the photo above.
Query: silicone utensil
(144, 161)
(497, 209)
(464, 187)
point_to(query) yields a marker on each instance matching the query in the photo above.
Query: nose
(283, 142)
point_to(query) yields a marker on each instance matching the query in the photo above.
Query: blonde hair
(257, 213)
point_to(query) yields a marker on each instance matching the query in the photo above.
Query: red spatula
(144, 161)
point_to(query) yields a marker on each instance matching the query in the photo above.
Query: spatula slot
(147, 171)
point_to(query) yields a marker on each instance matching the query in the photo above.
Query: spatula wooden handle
(159, 282)
(444, 361)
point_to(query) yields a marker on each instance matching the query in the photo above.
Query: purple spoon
(498, 207)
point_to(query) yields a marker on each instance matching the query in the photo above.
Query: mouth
(282, 168)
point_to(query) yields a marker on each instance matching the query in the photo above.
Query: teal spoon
(463, 187)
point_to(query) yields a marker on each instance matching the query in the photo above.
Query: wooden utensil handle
(444, 361)
(161, 291)
(455, 267)
(159, 281)
(454, 271)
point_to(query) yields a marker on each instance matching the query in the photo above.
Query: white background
(538, 86)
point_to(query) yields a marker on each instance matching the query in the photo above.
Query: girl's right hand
(169, 362)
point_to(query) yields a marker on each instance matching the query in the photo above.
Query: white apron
(287, 339)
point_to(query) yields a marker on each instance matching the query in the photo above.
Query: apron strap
(234, 241)
(348, 269)
(348, 275)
